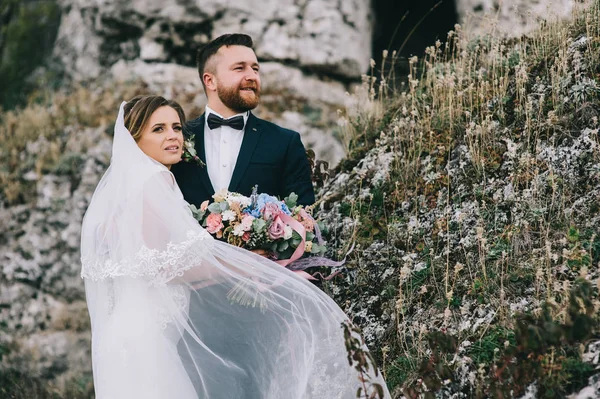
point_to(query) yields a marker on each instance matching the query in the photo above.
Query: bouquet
(261, 221)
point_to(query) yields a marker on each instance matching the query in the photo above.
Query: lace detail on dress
(180, 300)
(160, 266)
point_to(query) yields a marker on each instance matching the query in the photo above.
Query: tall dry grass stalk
(498, 100)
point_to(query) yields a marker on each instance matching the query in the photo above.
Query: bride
(144, 256)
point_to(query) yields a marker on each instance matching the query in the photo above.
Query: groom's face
(237, 78)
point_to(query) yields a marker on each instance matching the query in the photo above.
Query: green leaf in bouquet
(291, 200)
(196, 213)
(294, 242)
(224, 206)
(258, 225)
(282, 246)
(273, 246)
(287, 254)
(296, 236)
(310, 236)
(214, 207)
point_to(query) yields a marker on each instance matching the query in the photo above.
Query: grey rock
(325, 35)
(309, 49)
(511, 18)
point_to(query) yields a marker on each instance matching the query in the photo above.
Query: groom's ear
(209, 81)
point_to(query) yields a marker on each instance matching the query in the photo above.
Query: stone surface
(323, 35)
(45, 319)
(592, 391)
(308, 50)
(511, 17)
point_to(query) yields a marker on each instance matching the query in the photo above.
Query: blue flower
(253, 212)
(285, 209)
(264, 199)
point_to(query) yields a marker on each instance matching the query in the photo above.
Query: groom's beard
(233, 99)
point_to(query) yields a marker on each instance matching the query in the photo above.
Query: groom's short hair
(211, 48)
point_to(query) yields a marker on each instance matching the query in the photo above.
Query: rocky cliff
(472, 201)
(471, 196)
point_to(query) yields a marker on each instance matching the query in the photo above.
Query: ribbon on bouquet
(298, 228)
(297, 265)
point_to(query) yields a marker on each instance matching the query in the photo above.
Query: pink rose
(204, 205)
(247, 222)
(271, 211)
(276, 229)
(214, 223)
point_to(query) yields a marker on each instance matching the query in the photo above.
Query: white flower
(238, 230)
(220, 195)
(287, 232)
(240, 199)
(247, 222)
(228, 215)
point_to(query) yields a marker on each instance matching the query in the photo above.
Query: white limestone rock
(511, 18)
(323, 143)
(326, 35)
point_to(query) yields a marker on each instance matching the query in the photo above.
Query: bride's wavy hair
(139, 109)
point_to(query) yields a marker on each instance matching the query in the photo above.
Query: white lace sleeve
(159, 266)
(153, 236)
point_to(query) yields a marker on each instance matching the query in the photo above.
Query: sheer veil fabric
(177, 314)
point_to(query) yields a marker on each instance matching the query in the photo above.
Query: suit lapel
(198, 129)
(251, 137)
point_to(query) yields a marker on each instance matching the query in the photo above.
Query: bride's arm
(181, 247)
(186, 252)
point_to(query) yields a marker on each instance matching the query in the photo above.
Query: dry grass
(475, 114)
(35, 137)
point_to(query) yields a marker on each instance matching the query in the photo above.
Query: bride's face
(162, 137)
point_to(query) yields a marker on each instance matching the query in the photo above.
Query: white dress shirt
(222, 146)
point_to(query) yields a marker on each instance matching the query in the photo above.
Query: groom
(238, 149)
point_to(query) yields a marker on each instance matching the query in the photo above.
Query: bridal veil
(177, 314)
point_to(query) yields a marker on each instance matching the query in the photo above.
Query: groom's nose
(251, 75)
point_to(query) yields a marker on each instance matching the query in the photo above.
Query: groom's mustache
(253, 87)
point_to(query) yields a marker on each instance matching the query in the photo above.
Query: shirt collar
(209, 111)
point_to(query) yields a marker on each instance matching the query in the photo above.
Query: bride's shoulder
(160, 177)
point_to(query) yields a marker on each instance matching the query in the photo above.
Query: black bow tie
(214, 121)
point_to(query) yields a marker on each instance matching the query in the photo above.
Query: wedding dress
(177, 314)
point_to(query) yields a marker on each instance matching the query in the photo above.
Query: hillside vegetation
(473, 199)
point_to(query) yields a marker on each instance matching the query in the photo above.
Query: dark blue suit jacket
(271, 157)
